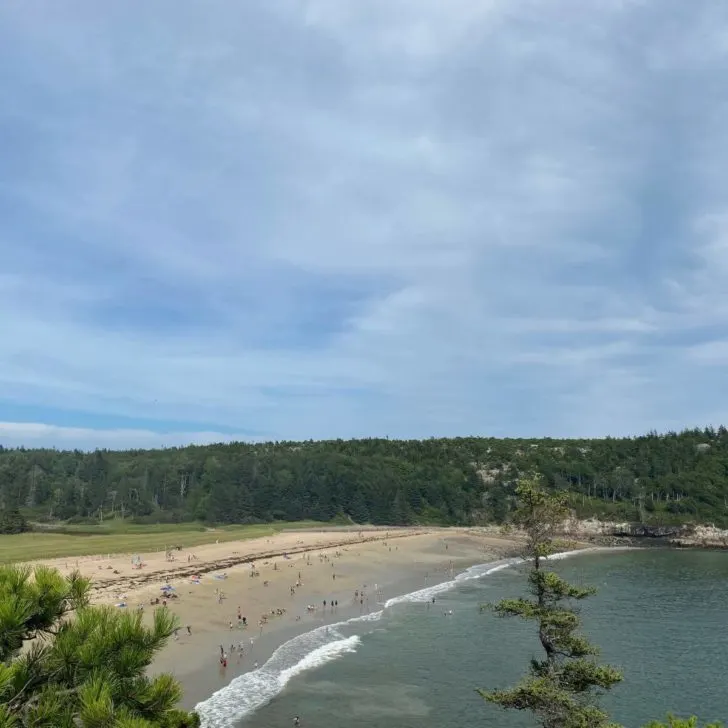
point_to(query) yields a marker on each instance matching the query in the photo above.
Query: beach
(278, 584)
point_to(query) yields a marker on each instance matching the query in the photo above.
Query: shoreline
(274, 578)
(245, 690)
(284, 580)
(201, 683)
(383, 569)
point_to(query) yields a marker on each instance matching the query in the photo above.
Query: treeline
(677, 477)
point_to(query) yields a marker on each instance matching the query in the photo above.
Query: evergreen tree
(658, 480)
(358, 510)
(673, 722)
(86, 671)
(12, 521)
(560, 689)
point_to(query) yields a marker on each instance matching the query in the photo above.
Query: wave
(252, 690)
(474, 572)
(590, 550)
(480, 570)
(371, 617)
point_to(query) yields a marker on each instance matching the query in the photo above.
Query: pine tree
(562, 688)
(80, 670)
(673, 722)
(12, 521)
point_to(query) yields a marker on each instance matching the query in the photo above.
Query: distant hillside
(658, 479)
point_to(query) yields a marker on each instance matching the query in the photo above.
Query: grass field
(119, 538)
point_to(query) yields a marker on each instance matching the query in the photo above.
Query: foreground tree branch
(87, 665)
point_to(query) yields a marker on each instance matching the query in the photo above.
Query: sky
(294, 219)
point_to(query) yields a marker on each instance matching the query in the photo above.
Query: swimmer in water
(296, 721)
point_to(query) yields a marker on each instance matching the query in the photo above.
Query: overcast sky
(295, 219)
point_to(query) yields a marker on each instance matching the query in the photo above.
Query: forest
(656, 479)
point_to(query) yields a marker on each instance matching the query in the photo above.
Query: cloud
(35, 434)
(308, 218)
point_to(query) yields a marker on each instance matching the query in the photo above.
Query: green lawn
(119, 538)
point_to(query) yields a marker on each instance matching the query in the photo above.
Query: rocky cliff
(706, 536)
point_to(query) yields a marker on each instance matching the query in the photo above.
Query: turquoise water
(660, 615)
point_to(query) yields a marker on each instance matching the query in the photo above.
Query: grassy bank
(120, 538)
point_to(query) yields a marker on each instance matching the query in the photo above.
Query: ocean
(660, 615)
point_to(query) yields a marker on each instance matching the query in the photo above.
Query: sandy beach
(278, 584)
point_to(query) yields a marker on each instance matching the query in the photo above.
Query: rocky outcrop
(706, 536)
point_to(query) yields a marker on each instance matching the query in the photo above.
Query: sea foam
(474, 572)
(252, 690)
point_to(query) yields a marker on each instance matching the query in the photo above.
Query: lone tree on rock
(65, 664)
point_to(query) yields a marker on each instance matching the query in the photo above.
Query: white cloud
(320, 218)
(35, 434)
